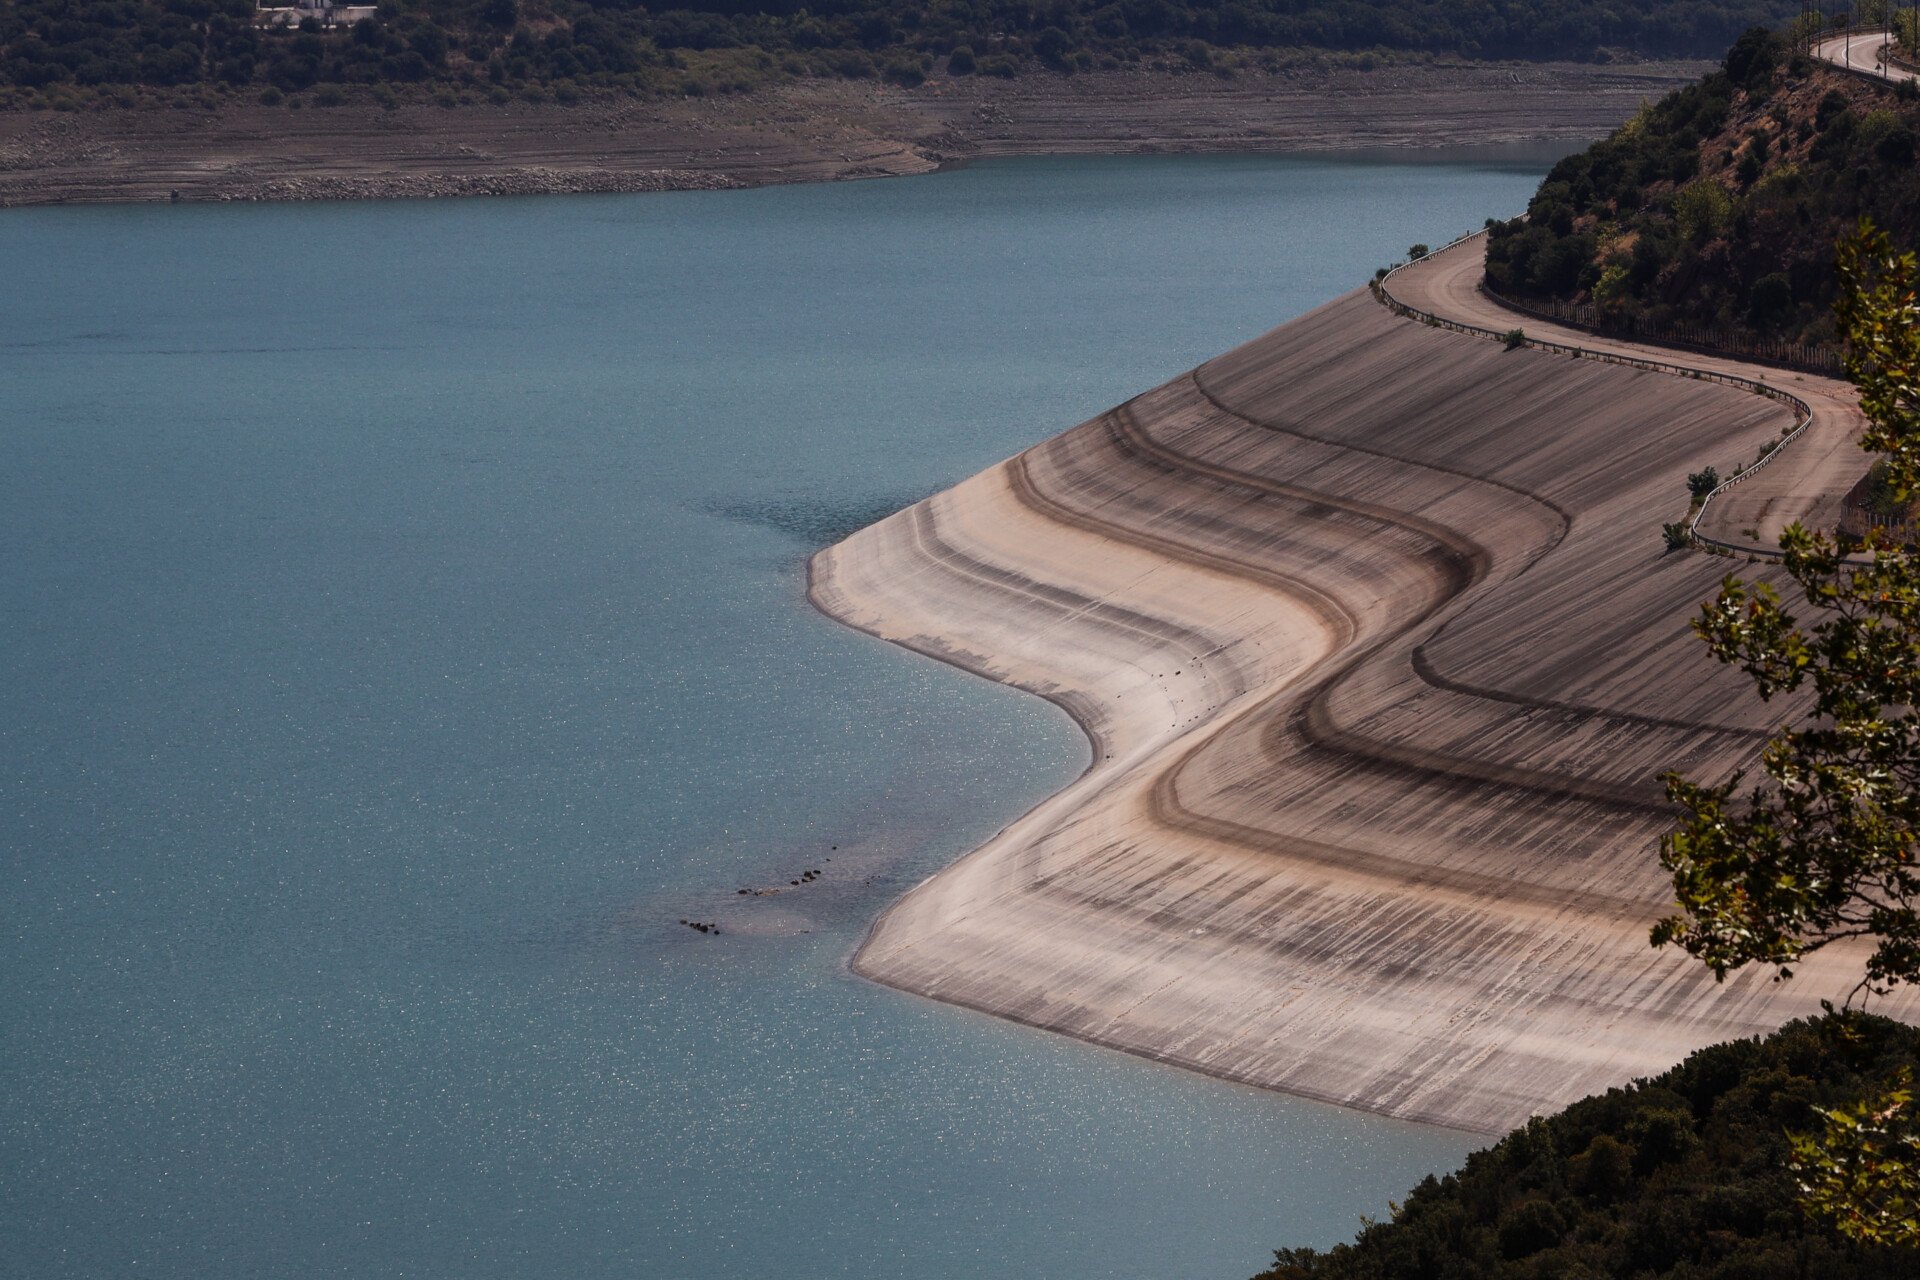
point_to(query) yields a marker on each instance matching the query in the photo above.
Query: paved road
(1860, 52)
(1805, 483)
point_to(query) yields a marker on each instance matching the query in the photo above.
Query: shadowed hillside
(1717, 208)
(1682, 1175)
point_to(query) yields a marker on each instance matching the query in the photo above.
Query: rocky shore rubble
(513, 182)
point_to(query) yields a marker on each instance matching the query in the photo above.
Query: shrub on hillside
(1682, 1176)
(1717, 207)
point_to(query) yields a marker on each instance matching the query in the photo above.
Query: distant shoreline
(806, 131)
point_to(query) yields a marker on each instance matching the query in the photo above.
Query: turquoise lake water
(402, 628)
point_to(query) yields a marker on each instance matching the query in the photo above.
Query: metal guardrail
(1773, 451)
(1824, 361)
(1803, 413)
(1884, 77)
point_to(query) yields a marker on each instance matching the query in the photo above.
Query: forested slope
(1719, 206)
(81, 46)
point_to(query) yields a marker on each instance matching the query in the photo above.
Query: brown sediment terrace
(806, 131)
(1372, 630)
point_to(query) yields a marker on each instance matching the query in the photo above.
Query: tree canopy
(1687, 1176)
(1719, 205)
(86, 44)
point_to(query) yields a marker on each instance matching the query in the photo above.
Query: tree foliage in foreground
(1796, 1156)
(1823, 850)
(1687, 1176)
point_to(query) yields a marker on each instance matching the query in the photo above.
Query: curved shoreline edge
(1370, 630)
(805, 131)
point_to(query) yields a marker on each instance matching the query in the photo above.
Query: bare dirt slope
(1372, 629)
(803, 132)
(1825, 462)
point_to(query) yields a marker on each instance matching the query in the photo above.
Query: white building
(321, 11)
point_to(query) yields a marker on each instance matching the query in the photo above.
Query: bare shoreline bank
(1377, 677)
(809, 131)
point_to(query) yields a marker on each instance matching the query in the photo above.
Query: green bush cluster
(724, 44)
(1719, 205)
(1682, 1177)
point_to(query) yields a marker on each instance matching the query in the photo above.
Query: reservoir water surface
(402, 628)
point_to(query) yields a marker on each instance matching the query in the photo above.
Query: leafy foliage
(1685, 1175)
(1825, 851)
(90, 43)
(1862, 1171)
(1718, 206)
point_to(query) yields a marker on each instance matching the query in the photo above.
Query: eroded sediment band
(1372, 630)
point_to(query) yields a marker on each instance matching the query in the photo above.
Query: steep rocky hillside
(1681, 1176)
(1719, 205)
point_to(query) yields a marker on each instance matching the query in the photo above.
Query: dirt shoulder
(805, 132)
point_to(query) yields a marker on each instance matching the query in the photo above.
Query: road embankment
(1374, 635)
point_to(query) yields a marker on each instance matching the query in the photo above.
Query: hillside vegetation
(1685, 1175)
(70, 51)
(1719, 206)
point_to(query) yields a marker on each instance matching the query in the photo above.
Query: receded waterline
(407, 631)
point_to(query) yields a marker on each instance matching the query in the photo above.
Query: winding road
(1379, 654)
(1860, 51)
